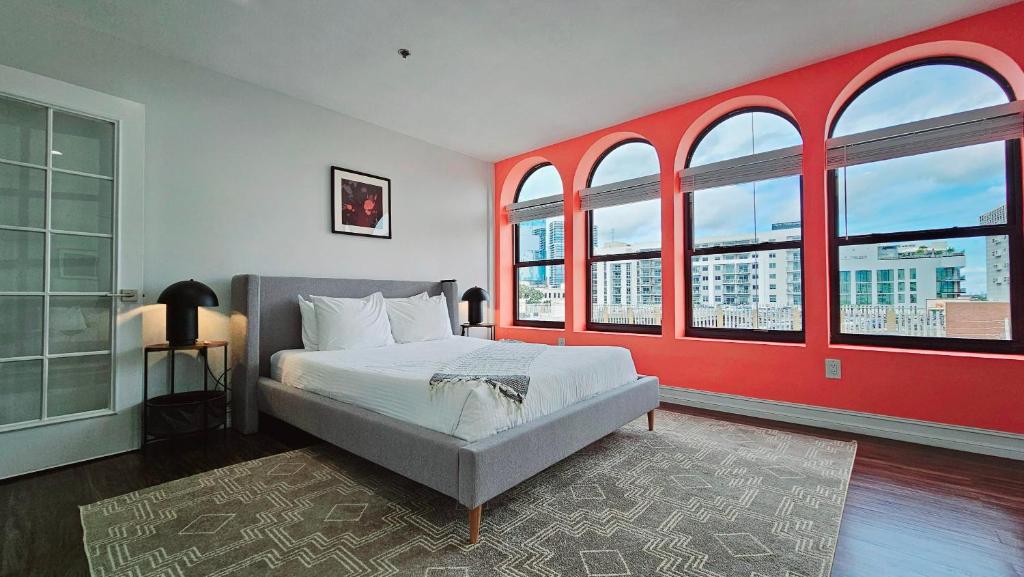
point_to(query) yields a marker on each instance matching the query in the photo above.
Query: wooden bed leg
(650, 420)
(474, 524)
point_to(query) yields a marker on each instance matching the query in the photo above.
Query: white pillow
(419, 318)
(420, 297)
(352, 323)
(309, 330)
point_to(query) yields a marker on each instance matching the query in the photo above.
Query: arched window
(924, 193)
(623, 206)
(744, 237)
(539, 249)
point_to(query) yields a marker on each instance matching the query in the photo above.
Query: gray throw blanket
(503, 366)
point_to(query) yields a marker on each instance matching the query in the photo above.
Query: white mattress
(394, 381)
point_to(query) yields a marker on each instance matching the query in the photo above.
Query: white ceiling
(495, 78)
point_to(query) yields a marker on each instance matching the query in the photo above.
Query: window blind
(545, 207)
(989, 124)
(751, 168)
(622, 192)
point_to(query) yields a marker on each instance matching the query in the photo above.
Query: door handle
(126, 295)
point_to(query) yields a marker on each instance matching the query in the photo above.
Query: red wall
(975, 390)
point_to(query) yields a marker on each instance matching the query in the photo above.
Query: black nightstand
(179, 414)
(467, 326)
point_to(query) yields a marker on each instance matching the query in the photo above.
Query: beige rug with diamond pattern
(697, 497)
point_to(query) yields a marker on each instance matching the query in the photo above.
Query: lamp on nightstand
(476, 297)
(182, 300)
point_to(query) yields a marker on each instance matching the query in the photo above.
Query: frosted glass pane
(78, 384)
(84, 144)
(80, 264)
(21, 261)
(22, 196)
(22, 131)
(21, 326)
(79, 324)
(82, 203)
(21, 391)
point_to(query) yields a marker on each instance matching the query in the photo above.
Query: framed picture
(360, 203)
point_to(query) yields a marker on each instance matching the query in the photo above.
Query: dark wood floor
(912, 511)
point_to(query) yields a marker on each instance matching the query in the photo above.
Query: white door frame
(99, 433)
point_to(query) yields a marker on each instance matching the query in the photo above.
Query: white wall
(237, 176)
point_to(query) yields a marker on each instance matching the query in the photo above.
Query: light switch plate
(833, 369)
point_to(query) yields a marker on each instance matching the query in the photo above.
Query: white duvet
(394, 381)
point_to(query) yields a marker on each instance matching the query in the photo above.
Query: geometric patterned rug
(697, 497)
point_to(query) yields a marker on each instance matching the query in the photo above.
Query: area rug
(697, 497)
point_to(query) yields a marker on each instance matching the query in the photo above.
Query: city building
(749, 278)
(900, 274)
(997, 258)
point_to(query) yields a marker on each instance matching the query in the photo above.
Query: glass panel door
(57, 264)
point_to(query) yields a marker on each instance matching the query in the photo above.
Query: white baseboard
(997, 443)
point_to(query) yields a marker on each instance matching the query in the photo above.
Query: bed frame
(265, 319)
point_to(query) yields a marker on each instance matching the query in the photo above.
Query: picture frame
(360, 203)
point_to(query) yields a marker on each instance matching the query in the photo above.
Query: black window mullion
(533, 263)
(759, 247)
(643, 255)
(923, 235)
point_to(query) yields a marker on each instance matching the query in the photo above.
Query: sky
(629, 223)
(936, 190)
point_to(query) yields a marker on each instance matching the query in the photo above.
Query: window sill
(1010, 356)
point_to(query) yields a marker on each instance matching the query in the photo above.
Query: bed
(471, 462)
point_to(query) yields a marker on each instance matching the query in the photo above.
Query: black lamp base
(476, 312)
(182, 325)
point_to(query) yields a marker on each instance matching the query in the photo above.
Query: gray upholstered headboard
(265, 319)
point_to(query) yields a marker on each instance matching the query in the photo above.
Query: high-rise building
(771, 277)
(626, 282)
(555, 249)
(997, 258)
(533, 245)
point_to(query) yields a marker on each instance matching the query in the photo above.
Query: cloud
(919, 93)
(630, 160)
(541, 182)
(936, 190)
(637, 224)
(745, 134)
(737, 211)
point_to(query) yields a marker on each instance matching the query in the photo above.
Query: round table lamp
(182, 300)
(476, 297)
